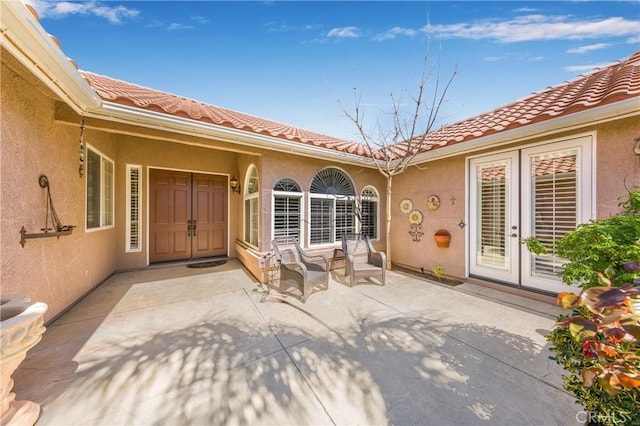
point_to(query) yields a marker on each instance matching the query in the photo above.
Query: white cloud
(281, 27)
(175, 26)
(395, 32)
(633, 40)
(537, 27)
(588, 48)
(113, 14)
(344, 32)
(199, 19)
(579, 69)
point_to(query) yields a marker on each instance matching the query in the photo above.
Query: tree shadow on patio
(402, 370)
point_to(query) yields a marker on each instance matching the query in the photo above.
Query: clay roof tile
(614, 83)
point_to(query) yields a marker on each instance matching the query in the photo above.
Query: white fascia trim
(614, 111)
(165, 122)
(23, 36)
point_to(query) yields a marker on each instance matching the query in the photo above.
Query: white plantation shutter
(287, 213)
(369, 213)
(133, 208)
(345, 217)
(321, 220)
(554, 206)
(333, 210)
(492, 215)
(251, 206)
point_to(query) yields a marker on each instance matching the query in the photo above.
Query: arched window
(251, 210)
(332, 212)
(369, 212)
(287, 210)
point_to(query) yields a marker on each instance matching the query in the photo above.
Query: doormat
(208, 264)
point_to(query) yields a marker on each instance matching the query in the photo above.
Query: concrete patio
(180, 346)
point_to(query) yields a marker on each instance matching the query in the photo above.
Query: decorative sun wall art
(415, 219)
(406, 206)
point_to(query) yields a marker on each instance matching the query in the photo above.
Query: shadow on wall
(398, 371)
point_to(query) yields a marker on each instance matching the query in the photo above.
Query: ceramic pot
(442, 238)
(21, 328)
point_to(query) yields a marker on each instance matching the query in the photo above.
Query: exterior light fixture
(235, 185)
(636, 146)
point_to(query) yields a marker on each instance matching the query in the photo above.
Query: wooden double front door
(187, 215)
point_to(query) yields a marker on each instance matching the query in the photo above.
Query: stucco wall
(51, 270)
(444, 179)
(618, 169)
(276, 166)
(161, 154)
(40, 136)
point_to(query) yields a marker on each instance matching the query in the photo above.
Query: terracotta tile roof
(617, 82)
(123, 93)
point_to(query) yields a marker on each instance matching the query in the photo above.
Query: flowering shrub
(599, 343)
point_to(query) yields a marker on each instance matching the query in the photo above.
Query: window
(99, 190)
(132, 242)
(369, 213)
(251, 212)
(332, 206)
(287, 212)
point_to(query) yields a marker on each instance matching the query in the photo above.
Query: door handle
(191, 226)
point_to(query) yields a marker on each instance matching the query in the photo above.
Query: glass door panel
(494, 217)
(556, 186)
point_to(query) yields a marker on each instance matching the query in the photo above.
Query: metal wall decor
(415, 225)
(57, 229)
(406, 206)
(433, 202)
(415, 219)
(82, 148)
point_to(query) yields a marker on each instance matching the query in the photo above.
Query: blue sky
(295, 61)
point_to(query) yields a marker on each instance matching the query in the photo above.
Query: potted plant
(598, 344)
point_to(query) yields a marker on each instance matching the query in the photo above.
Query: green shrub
(598, 345)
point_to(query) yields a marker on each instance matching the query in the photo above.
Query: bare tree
(394, 149)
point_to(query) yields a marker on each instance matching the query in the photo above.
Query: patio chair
(362, 259)
(299, 269)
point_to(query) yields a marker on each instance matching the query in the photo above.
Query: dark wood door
(187, 215)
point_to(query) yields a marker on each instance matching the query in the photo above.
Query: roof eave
(159, 121)
(614, 111)
(36, 50)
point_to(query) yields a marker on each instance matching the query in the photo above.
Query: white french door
(495, 218)
(543, 191)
